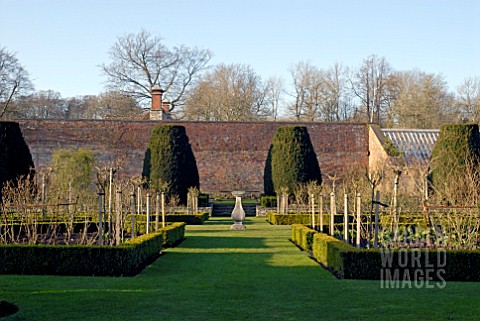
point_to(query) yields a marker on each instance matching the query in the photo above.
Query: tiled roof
(415, 144)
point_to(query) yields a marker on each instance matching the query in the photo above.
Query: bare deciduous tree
(421, 100)
(141, 61)
(229, 93)
(14, 80)
(370, 84)
(46, 104)
(336, 105)
(320, 94)
(307, 83)
(468, 100)
(112, 104)
(275, 90)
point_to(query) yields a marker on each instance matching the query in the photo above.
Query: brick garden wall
(229, 155)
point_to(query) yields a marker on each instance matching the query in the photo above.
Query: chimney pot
(166, 105)
(157, 94)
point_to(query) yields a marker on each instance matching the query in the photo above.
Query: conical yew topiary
(169, 159)
(455, 157)
(15, 158)
(291, 160)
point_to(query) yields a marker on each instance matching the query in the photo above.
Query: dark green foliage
(73, 169)
(268, 201)
(292, 160)
(169, 159)
(267, 175)
(203, 200)
(391, 149)
(455, 155)
(126, 259)
(15, 158)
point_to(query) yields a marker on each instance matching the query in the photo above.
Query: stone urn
(238, 214)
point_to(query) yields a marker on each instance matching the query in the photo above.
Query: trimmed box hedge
(303, 236)
(190, 219)
(141, 221)
(127, 259)
(288, 219)
(345, 261)
(268, 201)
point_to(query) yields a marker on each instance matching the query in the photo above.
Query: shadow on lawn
(221, 242)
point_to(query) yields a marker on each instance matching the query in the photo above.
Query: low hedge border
(268, 201)
(126, 259)
(345, 261)
(288, 219)
(190, 219)
(141, 221)
(303, 236)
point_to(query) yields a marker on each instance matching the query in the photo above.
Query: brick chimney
(156, 111)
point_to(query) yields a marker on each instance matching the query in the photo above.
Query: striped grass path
(219, 274)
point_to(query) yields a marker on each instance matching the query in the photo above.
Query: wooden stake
(157, 210)
(163, 209)
(359, 220)
(118, 216)
(148, 213)
(395, 212)
(333, 211)
(377, 205)
(320, 214)
(100, 218)
(312, 200)
(132, 210)
(345, 219)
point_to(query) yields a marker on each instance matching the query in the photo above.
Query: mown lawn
(232, 202)
(218, 274)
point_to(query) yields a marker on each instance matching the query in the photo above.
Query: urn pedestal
(238, 214)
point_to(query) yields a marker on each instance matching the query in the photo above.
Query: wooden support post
(100, 217)
(285, 203)
(195, 200)
(345, 219)
(110, 201)
(163, 210)
(139, 200)
(118, 216)
(132, 210)
(377, 205)
(320, 212)
(148, 213)
(278, 203)
(395, 212)
(312, 200)
(157, 210)
(333, 210)
(44, 197)
(359, 221)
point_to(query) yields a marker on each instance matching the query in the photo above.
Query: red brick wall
(229, 155)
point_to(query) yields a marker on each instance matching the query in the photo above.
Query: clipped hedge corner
(127, 259)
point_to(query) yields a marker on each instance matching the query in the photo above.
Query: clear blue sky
(63, 42)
